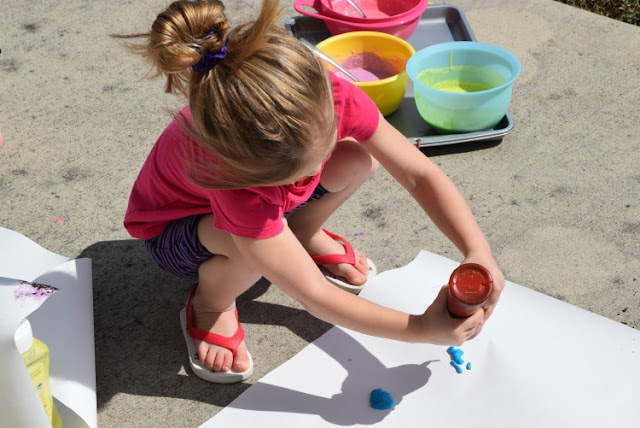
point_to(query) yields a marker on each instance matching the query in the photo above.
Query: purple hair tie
(212, 58)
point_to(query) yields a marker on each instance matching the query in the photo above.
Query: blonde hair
(261, 111)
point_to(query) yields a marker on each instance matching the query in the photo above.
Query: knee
(355, 157)
(350, 163)
(366, 164)
(216, 241)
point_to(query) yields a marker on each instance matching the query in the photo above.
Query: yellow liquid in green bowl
(461, 78)
(458, 86)
(463, 98)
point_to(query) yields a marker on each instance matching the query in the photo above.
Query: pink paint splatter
(33, 290)
(59, 219)
(361, 234)
(539, 88)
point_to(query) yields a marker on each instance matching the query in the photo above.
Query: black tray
(438, 24)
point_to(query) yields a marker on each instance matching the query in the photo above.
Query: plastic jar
(470, 286)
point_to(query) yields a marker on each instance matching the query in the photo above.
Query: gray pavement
(558, 198)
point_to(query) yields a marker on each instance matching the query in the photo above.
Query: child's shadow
(140, 349)
(139, 346)
(351, 405)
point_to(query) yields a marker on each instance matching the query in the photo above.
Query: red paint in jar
(470, 286)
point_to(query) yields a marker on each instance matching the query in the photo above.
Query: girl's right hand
(440, 328)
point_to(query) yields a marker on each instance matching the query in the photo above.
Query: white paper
(64, 323)
(539, 362)
(17, 388)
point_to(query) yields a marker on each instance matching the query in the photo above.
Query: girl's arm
(284, 261)
(438, 197)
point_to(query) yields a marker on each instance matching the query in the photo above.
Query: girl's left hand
(486, 260)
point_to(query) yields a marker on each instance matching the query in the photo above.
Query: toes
(222, 360)
(227, 362)
(354, 276)
(218, 362)
(209, 359)
(214, 358)
(241, 360)
(362, 264)
(349, 273)
(203, 354)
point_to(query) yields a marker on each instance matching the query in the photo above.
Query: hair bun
(185, 31)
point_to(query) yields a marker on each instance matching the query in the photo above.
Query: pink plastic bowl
(402, 26)
(375, 10)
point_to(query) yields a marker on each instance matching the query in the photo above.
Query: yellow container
(35, 355)
(386, 93)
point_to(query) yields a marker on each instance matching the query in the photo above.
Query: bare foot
(321, 243)
(215, 357)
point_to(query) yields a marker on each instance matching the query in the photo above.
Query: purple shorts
(179, 251)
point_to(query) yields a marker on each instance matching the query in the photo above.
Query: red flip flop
(349, 257)
(231, 343)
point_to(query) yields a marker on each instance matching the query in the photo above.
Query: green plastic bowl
(463, 86)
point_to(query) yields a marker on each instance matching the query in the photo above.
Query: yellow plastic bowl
(386, 93)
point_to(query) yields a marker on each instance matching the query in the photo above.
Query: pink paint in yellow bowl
(368, 67)
(392, 54)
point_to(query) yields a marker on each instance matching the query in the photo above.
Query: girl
(240, 183)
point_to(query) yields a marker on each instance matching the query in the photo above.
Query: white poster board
(539, 362)
(64, 322)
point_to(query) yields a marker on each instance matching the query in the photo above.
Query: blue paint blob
(468, 366)
(381, 399)
(456, 354)
(457, 367)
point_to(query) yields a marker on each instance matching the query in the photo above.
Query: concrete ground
(558, 198)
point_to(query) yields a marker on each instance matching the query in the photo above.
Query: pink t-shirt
(162, 192)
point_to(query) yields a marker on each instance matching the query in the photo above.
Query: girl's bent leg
(220, 280)
(348, 168)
